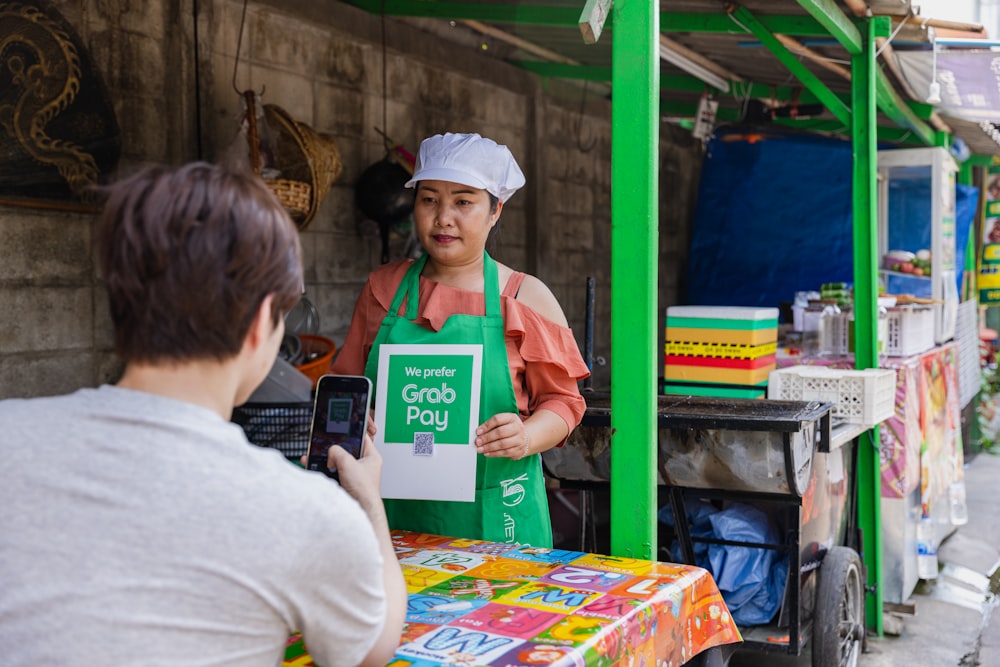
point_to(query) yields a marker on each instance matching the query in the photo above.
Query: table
(476, 603)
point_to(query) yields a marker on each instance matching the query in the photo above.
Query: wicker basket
(305, 156)
(309, 161)
(295, 196)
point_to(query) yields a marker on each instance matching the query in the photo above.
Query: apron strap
(411, 281)
(491, 286)
(412, 286)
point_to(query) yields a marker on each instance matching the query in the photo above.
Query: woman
(531, 364)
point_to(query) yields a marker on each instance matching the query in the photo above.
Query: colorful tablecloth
(475, 603)
(920, 445)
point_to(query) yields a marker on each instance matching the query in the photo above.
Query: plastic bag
(751, 579)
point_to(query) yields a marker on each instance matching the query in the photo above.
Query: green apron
(511, 504)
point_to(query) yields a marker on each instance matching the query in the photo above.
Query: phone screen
(340, 416)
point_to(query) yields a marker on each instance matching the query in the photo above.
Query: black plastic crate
(281, 426)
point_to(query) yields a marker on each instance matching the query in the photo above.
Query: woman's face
(453, 221)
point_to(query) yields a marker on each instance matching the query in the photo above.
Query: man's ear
(261, 326)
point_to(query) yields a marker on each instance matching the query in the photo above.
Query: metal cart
(786, 457)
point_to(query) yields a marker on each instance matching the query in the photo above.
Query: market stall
(791, 472)
(920, 453)
(487, 603)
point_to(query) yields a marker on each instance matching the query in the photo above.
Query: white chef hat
(468, 159)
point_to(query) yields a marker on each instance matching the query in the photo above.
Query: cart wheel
(839, 623)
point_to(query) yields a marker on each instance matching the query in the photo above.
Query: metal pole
(865, 208)
(634, 243)
(588, 335)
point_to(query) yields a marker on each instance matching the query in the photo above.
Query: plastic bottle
(927, 563)
(830, 328)
(957, 508)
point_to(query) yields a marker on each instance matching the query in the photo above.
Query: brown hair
(188, 255)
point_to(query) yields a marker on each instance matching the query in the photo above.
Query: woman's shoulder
(537, 296)
(391, 271)
(384, 280)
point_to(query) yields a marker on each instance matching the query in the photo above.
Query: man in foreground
(137, 525)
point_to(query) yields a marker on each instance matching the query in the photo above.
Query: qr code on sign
(423, 444)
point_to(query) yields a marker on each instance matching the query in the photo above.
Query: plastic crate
(281, 426)
(911, 330)
(865, 397)
(839, 341)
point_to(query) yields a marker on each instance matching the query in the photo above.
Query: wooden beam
(592, 19)
(696, 57)
(798, 47)
(520, 43)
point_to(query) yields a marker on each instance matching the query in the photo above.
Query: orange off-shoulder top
(545, 362)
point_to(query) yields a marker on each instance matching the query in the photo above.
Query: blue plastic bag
(751, 579)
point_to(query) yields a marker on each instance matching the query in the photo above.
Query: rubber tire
(840, 606)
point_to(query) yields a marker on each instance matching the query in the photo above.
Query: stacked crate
(724, 351)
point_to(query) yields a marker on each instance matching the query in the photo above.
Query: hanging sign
(988, 281)
(969, 80)
(427, 411)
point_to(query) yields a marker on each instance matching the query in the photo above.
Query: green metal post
(965, 177)
(865, 209)
(634, 241)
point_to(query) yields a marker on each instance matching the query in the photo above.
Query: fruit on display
(904, 261)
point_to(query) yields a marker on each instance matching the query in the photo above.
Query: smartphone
(340, 417)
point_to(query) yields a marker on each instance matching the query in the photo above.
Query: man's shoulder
(17, 407)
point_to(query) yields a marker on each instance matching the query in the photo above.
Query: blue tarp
(751, 579)
(774, 217)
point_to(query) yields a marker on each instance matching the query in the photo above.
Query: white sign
(427, 412)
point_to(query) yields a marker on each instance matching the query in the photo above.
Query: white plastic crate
(911, 330)
(838, 341)
(865, 397)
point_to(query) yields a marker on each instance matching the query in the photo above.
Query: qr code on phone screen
(423, 444)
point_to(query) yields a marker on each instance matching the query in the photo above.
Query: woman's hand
(504, 435)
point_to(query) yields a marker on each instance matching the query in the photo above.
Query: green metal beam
(840, 110)
(889, 101)
(514, 13)
(800, 26)
(864, 194)
(984, 160)
(564, 71)
(886, 134)
(829, 15)
(635, 147)
(921, 110)
(677, 82)
(886, 97)
(689, 110)
(569, 17)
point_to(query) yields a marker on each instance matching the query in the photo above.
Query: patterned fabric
(485, 603)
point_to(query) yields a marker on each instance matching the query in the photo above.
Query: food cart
(787, 456)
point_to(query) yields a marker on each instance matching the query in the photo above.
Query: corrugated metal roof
(544, 36)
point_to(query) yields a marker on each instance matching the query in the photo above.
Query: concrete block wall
(171, 77)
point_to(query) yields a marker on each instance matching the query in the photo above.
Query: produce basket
(281, 426)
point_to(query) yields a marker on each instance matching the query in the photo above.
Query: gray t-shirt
(140, 530)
